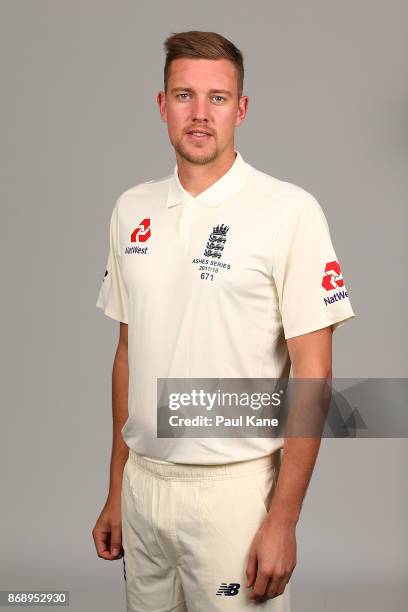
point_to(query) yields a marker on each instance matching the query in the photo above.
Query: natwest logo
(142, 232)
(332, 277)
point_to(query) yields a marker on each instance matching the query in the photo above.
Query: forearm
(299, 457)
(311, 361)
(120, 451)
(304, 426)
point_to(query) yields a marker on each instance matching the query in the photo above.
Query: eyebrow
(223, 91)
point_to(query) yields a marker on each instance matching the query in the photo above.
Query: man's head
(203, 84)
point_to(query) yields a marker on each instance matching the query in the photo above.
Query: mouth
(199, 135)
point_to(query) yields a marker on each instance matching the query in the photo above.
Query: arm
(107, 532)
(120, 382)
(311, 357)
(272, 557)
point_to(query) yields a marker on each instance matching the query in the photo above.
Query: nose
(200, 110)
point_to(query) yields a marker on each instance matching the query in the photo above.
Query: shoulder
(149, 191)
(288, 197)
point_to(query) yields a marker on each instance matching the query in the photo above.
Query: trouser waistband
(187, 471)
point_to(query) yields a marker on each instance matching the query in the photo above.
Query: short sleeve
(307, 274)
(112, 298)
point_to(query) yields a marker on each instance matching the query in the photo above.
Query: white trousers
(187, 530)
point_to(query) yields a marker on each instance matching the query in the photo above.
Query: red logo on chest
(142, 232)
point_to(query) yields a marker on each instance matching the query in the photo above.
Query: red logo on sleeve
(142, 232)
(332, 277)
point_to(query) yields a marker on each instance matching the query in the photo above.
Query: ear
(242, 110)
(161, 101)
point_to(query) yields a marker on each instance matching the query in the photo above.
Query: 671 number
(206, 276)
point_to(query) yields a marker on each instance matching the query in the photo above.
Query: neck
(196, 178)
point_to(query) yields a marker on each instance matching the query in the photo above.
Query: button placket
(185, 225)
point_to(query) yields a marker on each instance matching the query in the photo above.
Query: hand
(272, 558)
(107, 533)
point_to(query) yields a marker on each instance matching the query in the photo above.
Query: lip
(205, 135)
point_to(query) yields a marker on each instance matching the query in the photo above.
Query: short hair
(207, 45)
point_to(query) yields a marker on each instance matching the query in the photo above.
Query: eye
(219, 98)
(180, 95)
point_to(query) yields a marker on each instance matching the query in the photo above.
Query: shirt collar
(228, 184)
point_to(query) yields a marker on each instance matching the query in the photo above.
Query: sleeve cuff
(300, 331)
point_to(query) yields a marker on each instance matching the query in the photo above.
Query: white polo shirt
(212, 286)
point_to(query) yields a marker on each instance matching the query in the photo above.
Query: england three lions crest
(216, 241)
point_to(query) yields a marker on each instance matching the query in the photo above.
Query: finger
(274, 587)
(101, 539)
(116, 540)
(278, 586)
(260, 585)
(251, 569)
(282, 585)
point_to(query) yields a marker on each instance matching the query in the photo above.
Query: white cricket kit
(212, 286)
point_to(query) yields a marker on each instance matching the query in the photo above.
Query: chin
(196, 155)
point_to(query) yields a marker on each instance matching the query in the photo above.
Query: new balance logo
(228, 589)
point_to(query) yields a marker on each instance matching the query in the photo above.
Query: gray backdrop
(327, 110)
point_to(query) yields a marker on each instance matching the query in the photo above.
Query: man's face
(201, 108)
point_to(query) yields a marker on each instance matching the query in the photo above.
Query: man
(217, 270)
